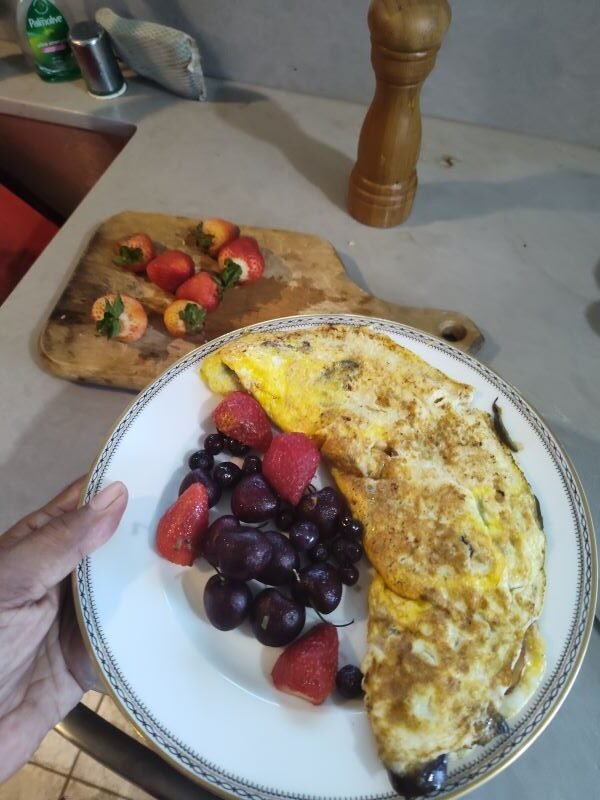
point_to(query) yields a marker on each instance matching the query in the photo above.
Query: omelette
(450, 524)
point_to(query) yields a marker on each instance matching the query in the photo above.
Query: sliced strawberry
(170, 269)
(308, 666)
(240, 416)
(134, 252)
(244, 252)
(211, 235)
(183, 525)
(290, 464)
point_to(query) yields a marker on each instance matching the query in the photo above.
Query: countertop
(508, 235)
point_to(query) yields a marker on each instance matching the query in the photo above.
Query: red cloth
(24, 233)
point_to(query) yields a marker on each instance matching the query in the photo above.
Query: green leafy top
(203, 240)
(109, 325)
(193, 317)
(231, 274)
(128, 256)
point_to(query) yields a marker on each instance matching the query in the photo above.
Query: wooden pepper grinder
(405, 38)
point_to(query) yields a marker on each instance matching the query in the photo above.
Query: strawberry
(290, 464)
(211, 235)
(202, 289)
(183, 525)
(206, 288)
(134, 252)
(308, 666)
(244, 252)
(184, 318)
(170, 269)
(119, 316)
(240, 416)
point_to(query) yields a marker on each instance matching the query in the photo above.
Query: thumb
(42, 559)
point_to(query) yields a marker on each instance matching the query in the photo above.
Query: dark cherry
(242, 553)
(235, 448)
(323, 508)
(319, 552)
(348, 682)
(253, 500)
(201, 460)
(284, 519)
(354, 530)
(226, 602)
(350, 527)
(348, 574)
(304, 535)
(344, 522)
(208, 545)
(227, 474)
(318, 586)
(252, 464)
(346, 552)
(276, 620)
(213, 490)
(214, 443)
(284, 560)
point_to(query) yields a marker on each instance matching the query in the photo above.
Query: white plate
(203, 698)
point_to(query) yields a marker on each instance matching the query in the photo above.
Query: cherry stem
(220, 574)
(318, 613)
(335, 625)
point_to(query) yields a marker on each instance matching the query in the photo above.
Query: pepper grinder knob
(405, 38)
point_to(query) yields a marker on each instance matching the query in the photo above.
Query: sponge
(164, 55)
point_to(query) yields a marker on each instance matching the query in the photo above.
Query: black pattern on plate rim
(489, 758)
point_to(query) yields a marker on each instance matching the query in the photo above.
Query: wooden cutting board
(303, 275)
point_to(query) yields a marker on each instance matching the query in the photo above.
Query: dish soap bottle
(43, 32)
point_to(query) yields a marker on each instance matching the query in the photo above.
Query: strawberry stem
(110, 325)
(203, 240)
(193, 317)
(231, 274)
(128, 256)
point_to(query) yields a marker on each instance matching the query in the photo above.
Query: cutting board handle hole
(452, 331)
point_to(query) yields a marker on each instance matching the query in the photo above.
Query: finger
(66, 501)
(41, 560)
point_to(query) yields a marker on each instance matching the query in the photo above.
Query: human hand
(44, 668)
